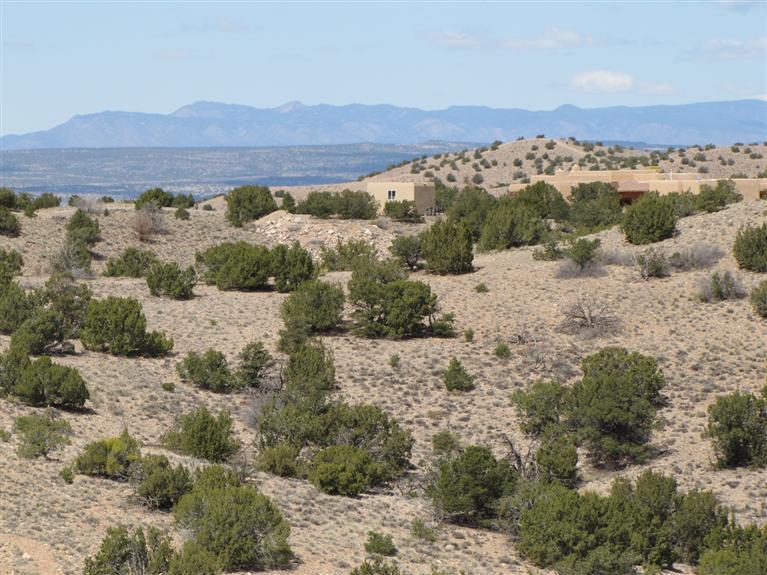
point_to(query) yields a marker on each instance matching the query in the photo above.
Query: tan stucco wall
(424, 195)
(643, 180)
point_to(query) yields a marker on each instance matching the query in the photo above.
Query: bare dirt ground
(704, 349)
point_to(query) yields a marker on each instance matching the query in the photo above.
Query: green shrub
(737, 425)
(540, 407)
(736, 551)
(7, 198)
(255, 361)
(408, 250)
(750, 248)
(582, 252)
(650, 219)
(133, 262)
(11, 264)
(73, 258)
(207, 371)
(158, 483)
(83, 228)
(456, 378)
(471, 206)
(44, 383)
(511, 224)
(502, 351)
(309, 375)
(239, 525)
(720, 288)
(280, 459)
(713, 199)
(15, 307)
(404, 211)
(157, 196)
(346, 256)
(194, 559)
(236, 266)
(318, 204)
(343, 470)
(380, 544)
(67, 475)
(544, 200)
(346, 205)
(758, 299)
(684, 204)
(118, 326)
(288, 203)
(468, 487)
(315, 307)
(387, 306)
(201, 434)
(652, 263)
(67, 298)
(614, 405)
(291, 266)
(181, 214)
(9, 224)
(595, 205)
(421, 530)
(41, 435)
(447, 247)
(41, 333)
(171, 281)
(131, 552)
(376, 566)
(45, 200)
(557, 460)
(248, 203)
(697, 515)
(112, 458)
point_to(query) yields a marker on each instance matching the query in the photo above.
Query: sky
(59, 59)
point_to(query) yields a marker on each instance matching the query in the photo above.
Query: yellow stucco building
(422, 194)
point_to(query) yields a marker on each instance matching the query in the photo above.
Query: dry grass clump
(696, 257)
(590, 317)
(148, 222)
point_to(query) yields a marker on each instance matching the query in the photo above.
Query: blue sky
(65, 58)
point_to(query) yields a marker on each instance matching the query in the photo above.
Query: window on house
(391, 194)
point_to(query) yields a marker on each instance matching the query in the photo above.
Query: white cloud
(603, 81)
(551, 39)
(657, 89)
(731, 49)
(453, 39)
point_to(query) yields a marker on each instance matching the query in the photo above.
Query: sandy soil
(705, 350)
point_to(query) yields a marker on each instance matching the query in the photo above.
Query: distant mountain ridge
(210, 124)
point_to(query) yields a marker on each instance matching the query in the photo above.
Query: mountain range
(207, 124)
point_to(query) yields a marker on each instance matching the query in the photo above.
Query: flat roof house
(632, 184)
(423, 195)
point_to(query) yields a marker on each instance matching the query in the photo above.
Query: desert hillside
(704, 349)
(495, 167)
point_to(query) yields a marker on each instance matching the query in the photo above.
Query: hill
(205, 124)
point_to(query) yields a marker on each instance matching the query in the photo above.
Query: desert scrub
(202, 434)
(759, 299)
(171, 281)
(750, 248)
(344, 470)
(448, 248)
(46, 384)
(118, 326)
(181, 214)
(158, 483)
(420, 529)
(41, 435)
(502, 351)
(737, 425)
(112, 458)
(380, 544)
(651, 263)
(11, 264)
(83, 228)
(408, 250)
(456, 378)
(481, 288)
(291, 267)
(650, 219)
(131, 551)
(207, 371)
(720, 288)
(235, 266)
(248, 203)
(9, 223)
(133, 262)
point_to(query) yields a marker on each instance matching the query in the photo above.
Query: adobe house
(424, 195)
(632, 184)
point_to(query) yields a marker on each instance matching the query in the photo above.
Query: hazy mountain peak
(205, 124)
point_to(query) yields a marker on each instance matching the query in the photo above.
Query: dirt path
(37, 557)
